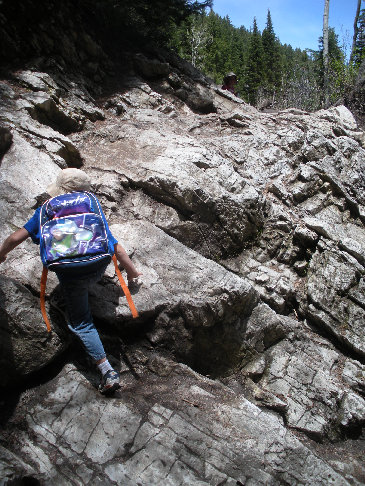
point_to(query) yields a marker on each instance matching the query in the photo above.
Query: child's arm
(12, 241)
(126, 262)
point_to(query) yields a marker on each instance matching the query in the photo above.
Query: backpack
(74, 241)
(72, 233)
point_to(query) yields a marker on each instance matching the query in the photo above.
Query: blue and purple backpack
(74, 241)
(73, 233)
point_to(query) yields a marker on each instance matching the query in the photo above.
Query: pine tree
(359, 52)
(337, 72)
(142, 20)
(255, 65)
(356, 31)
(272, 58)
(300, 85)
(325, 56)
(191, 38)
(239, 55)
(227, 48)
(335, 52)
(218, 51)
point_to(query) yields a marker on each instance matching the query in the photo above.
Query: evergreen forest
(270, 74)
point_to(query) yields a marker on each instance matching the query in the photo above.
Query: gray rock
(331, 276)
(64, 117)
(26, 345)
(13, 470)
(203, 300)
(151, 68)
(354, 374)
(200, 434)
(6, 139)
(294, 374)
(37, 81)
(219, 212)
(228, 210)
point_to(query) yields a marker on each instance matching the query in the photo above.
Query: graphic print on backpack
(65, 238)
(72, 230)
(74, 236)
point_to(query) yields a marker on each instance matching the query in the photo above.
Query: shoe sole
(110, 389)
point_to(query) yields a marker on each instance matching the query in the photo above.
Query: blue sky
(298, 23)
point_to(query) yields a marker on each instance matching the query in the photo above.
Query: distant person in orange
(229, 83)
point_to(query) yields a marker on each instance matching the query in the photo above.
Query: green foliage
(272, 57)
(269, 73)
(256, 59)
(334, 50)
(342, 77)
(141, 20)
(299, 83)
(341, 74)
(218, 50)
(212, 44)
(359, 54)
(255, 65)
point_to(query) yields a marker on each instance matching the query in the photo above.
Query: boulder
(15, 471)
(333, 276)
(6, 139)
(190, 178)
(200, 434)
(151, 68)
(26, 345)
(296, 373)
(189, 297)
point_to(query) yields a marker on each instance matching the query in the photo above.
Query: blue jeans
(76, 293)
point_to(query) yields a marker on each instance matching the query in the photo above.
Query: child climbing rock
(76, 243)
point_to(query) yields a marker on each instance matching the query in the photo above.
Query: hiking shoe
(109, 383)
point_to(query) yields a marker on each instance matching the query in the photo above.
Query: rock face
(201, 434)
(246, 365)
(25, 346)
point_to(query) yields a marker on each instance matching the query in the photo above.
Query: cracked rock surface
(201, 434)
(246, 365)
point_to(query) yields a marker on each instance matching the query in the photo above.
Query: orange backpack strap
(125, 289)
(43, 293)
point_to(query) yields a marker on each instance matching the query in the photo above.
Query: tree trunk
(356, 30)
(325, 53)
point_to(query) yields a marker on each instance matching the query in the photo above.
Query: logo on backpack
(72, 231)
